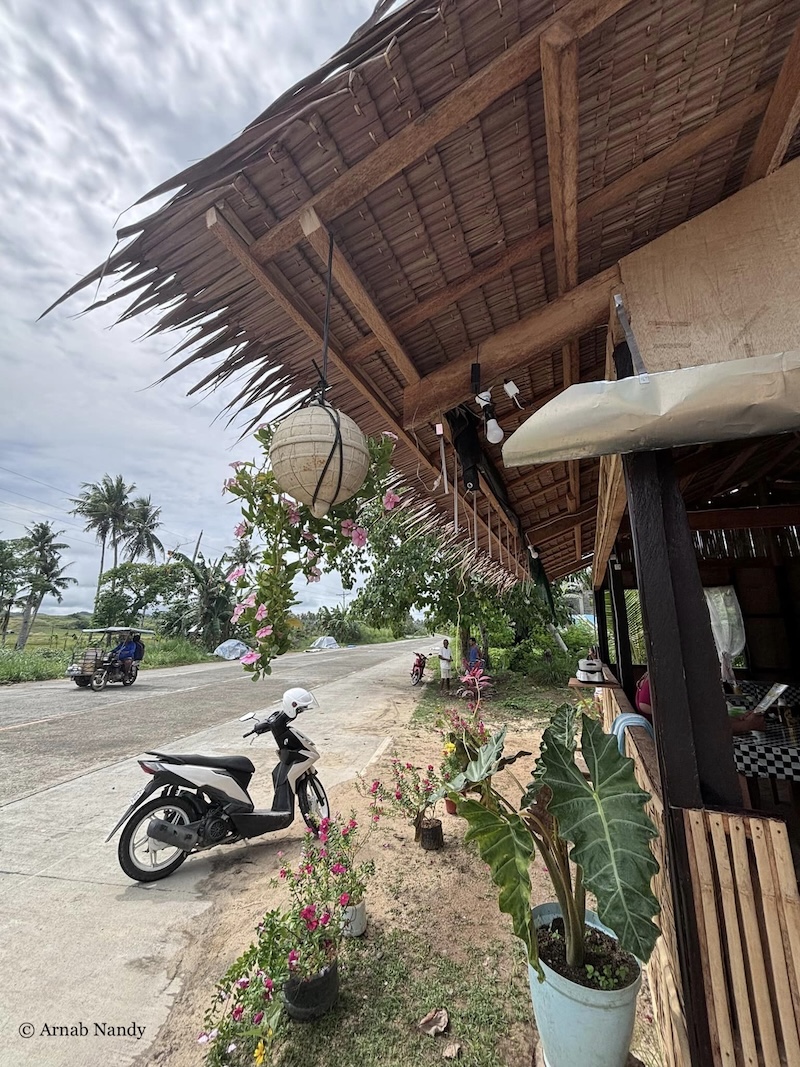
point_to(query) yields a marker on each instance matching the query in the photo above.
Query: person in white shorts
(445, 664)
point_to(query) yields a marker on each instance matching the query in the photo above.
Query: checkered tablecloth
(774, 754)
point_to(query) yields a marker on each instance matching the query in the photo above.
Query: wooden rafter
(550, 528)
(781, 119)
(516, 64)
(726, 124)
(233, 237)
(319, 237)
(559, 53)
(769, 517)
(542, 331)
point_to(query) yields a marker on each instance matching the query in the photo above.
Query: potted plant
(342, 842)
(413, 793)
(584, 968)
(462, 738)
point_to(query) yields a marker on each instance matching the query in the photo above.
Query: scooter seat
(238, 764)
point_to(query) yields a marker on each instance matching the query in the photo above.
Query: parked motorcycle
(204, 802)
(419, 668)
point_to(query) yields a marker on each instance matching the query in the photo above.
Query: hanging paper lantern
(319, 456)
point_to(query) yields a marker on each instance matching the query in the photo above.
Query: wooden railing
(747, 906)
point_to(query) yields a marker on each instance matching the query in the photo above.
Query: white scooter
(204, 800)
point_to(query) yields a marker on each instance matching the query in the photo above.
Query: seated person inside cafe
(741, 725)
(125, 651)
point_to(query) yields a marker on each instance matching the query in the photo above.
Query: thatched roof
(422, 147)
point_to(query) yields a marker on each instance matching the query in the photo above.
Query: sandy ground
(243, 893)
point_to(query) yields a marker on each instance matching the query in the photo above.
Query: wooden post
(622, 637)
(601, 622)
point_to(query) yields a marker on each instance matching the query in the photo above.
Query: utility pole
(196, 548)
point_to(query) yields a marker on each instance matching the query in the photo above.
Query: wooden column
(622, 637)
(601, 621)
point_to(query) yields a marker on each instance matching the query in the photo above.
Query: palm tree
(45, 575)
(105, 506)
(243, 554)
(140, 535)
(11, 581)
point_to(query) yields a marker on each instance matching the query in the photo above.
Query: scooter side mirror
(249, 715)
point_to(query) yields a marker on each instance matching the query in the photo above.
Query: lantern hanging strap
(336, 447)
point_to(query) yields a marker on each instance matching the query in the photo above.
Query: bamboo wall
(748, 914)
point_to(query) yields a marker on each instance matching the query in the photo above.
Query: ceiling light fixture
(492, 428)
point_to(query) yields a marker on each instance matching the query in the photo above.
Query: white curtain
(727, 626)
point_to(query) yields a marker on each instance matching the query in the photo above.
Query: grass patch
(388, 982)
(513, 697)
(41, 664)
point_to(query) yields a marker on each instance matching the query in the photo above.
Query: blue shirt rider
(125, 651)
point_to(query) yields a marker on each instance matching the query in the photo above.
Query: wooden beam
(559, 54)
(727, 124)
(611, 504)
(781, 119)
(510, 69)
(514, 346)
(319, 238)
(233, 239)
(770, 517)
(551, 528)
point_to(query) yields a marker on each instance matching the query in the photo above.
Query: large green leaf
(562, 732)
(506, 845)
(486, 763)
(605, 820)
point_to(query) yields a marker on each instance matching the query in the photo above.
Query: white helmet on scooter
(296, 700)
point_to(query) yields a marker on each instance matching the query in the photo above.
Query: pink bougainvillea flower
(243, 983)
(338, 868)
(312, 924)
(292, 958)
(398, 794)
(236, 465)
(261, 613)
(390, 435)
(307, 536)
(314, 574)
(359, 537)
(376, 818)
(390, 500)
(345, 831)
(229, 483)
(375, 787)
(269, 985)
(259, 1015)
(309, 911)
(265, 631)
(250, 657)
(352, 824)
(325, 918)
(347, 527)
(240, 530)
(237, 1012)
(235, 575)
(282, 873)
(203, 1039)
(344, 899)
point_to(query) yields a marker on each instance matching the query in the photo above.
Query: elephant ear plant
(601, 816)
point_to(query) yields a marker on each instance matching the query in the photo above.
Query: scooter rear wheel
(313, 802)
(142, 858)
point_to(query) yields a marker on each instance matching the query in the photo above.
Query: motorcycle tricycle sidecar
(96, 666)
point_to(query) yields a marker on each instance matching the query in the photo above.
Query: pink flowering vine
(235, 575)
(250, 657)
(261, 613)
(359, 537)
(265, 631)
(390, 500)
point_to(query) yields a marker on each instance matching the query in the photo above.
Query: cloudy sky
(103, 99)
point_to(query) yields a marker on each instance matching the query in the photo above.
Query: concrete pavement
(83, 947)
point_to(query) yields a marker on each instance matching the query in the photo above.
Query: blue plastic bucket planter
(578, 1025)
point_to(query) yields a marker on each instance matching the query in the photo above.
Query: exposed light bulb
(484, 399)
(494, 432)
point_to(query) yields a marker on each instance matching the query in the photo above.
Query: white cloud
(101, 102)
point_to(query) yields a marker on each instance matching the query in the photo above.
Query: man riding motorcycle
(124, 652)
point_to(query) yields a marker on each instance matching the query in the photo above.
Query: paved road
(52, 732)
(80, 944)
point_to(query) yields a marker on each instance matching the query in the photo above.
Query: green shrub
(500, 658)
(547, 666)
(33, 666)
(579, 638)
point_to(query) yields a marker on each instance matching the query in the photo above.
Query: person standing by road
(473, 654)
(445, 665)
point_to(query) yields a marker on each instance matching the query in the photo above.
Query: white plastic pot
(355, 919)
(578, 1025)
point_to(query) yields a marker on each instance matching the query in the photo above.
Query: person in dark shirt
(125, 651)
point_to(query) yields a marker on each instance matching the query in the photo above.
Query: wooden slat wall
(662, 970)
(748, 912)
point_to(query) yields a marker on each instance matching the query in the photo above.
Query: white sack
(740, 398)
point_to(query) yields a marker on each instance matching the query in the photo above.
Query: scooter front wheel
(416, 676)
(313, 802)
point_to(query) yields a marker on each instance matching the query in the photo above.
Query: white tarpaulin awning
(717, 402)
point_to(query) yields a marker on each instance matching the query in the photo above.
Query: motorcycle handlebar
(248, 733)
